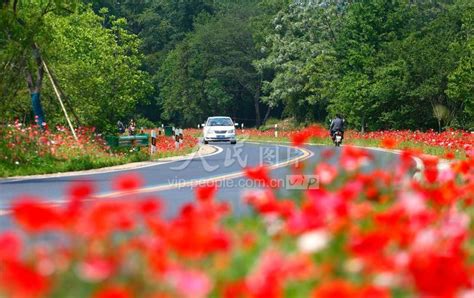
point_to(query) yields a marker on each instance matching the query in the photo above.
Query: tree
(211, 71)
(25, 31)
(98, 67)
(301, 44)
(461, 79)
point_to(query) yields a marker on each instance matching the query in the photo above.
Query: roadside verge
(203, 150)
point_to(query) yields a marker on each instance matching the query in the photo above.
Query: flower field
(27, 150)
(448, 144)
(166, 146)
(361, 234)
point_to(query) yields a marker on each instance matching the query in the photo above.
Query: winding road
(173, 181)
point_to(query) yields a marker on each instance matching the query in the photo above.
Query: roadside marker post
(276, 130)
(153, 142)
(242, 126)
(176, 138)
(176, 142)
(181, 136)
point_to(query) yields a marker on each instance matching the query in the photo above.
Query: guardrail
(141, 140)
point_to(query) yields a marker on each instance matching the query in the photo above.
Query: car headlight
(231, 131)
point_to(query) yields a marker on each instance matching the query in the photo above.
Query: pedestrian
(131, 127)
(120, 127)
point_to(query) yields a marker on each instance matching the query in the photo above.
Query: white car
(219, 129)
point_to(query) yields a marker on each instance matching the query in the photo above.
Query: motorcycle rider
(337, 124)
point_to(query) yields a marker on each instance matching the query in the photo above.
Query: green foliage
(211, 71)
(97, 67)
(145, 123)
(384, 64)
(299, 49)
(461, 80)
(381, 63)
(23, 28)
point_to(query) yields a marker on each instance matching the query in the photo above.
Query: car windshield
(220, 122)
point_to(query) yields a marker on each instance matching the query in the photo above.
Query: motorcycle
(337, 138)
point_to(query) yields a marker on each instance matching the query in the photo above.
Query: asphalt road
(162, 179)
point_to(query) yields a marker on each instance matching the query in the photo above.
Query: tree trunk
(34, 84)
(267, 114)
(256, 99)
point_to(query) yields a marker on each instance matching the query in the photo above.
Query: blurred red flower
(113, 292)
(128, 182)
(19, 280)
(189, 283)
(97, 268)
(205, 193)
(35, 216)
(10, 246)
(259, 173)
(389, 143)
(80, 189)
(334, 289)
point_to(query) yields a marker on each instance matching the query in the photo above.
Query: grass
(50, 165)
(166, 154)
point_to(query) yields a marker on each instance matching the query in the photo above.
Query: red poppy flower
(431, 174)
(267, 278)
(80, 190)
(389, 143)
(19, 280)
(299, 138)
(369, 244)
(373, 292)
(103, 218)
(236, 289)
(326, 173)
(427, 269)
(10, 246)
(334, 289)
(189, 283)
(113, 292)
(128, 182)
(353, 158)
(449, 155)
(259, 173)
(96, 268)
(35, 216)
(149, 206)
(262, 201)
(205, 193)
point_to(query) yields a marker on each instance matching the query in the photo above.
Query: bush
(285, 124)
(145, 123)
